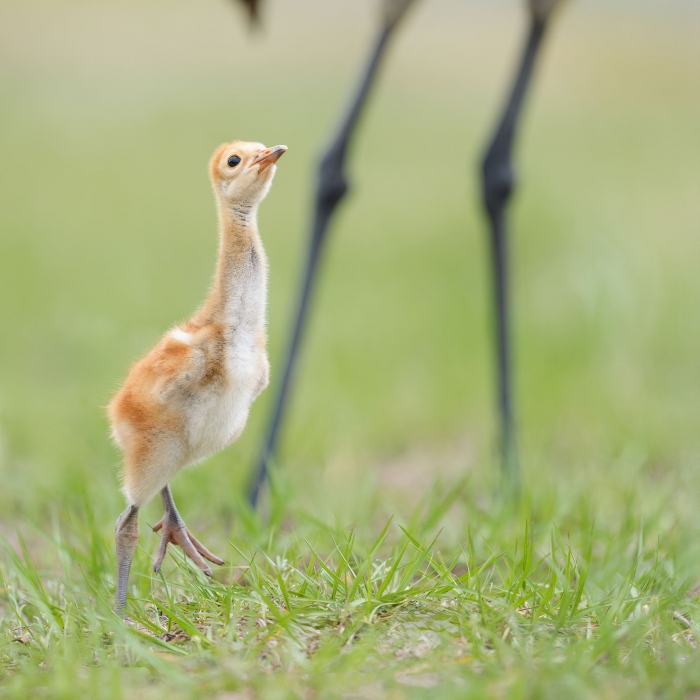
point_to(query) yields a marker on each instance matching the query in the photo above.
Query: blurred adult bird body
(190, 396)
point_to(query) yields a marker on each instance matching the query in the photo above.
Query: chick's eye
(233, 161)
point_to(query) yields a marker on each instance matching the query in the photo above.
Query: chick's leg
(173, 529)
(127, 536)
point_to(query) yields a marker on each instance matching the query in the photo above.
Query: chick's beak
(268, 157)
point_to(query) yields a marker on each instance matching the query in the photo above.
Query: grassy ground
(585, 589)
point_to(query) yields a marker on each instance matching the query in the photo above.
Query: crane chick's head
(243, 171)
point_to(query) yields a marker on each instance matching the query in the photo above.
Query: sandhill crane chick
(189, 397)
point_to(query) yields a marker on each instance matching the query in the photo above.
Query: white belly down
(215, 420)
(215, 416)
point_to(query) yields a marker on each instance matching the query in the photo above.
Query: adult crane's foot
(175, 531)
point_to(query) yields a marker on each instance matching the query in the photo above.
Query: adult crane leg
(331, 187)
(498, 182)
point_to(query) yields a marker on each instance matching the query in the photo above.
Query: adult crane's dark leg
(498, 181)
(331, 187)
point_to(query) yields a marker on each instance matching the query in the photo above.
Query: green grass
(308, 608)
(585, 589)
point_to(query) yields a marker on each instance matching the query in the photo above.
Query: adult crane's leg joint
(498, 182)
(332, 182)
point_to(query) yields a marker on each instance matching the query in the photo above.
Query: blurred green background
(109, 112)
